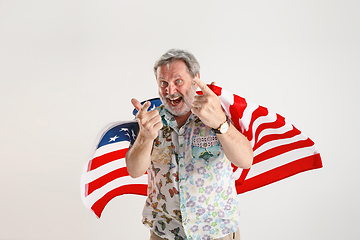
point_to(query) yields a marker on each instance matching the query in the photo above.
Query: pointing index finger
(139, 107)
(204, 88)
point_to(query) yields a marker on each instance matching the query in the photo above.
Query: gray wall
(67, 68)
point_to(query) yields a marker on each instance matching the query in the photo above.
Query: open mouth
(175, 100)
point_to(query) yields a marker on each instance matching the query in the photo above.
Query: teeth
(173, 99)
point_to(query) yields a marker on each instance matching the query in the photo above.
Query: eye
(179, 82)
(163, 84)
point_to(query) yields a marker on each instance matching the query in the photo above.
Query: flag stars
(124, 129)
(113, 139)
(133, 134)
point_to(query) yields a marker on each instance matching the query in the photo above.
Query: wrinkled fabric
(191, 190)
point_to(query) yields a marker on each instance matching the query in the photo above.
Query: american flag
(280, 151)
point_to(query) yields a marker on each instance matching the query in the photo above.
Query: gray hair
(192, 64)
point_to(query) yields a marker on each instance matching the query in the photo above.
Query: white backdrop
(67, 68)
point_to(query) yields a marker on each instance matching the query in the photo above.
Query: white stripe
(279, 142)
(100, 151)
(237, 173)
(111, 148)
(227, 99)
(99, 193)
(245, 120)
(261, 120)
(280, 160)
(277, 131)
(102, 170)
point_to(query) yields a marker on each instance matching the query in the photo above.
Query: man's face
(176, 87)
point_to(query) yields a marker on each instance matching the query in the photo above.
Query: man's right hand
(138, 158)
(149, 122)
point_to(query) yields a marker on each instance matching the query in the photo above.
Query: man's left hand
(208, 106)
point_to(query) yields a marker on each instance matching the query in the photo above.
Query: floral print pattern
(191, 191)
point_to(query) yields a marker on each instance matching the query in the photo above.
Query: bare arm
(208, 108)
(236, 147)
(138, 157)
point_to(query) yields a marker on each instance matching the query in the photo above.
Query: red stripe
(99, 205)
(242, 177)
(277, 174)
(259, 112)
(217, 90)
(103, 180)
(272, 137)
(237, 110)
(276, 151)
(278, 123)
(106, 158)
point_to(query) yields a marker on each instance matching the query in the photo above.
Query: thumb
(136, 103)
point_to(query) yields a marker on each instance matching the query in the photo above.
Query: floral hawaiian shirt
(191, 189)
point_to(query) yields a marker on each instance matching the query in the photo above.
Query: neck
(181, 120)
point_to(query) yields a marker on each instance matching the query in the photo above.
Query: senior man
(187, 146)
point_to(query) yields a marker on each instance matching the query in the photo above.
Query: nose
(171, 89)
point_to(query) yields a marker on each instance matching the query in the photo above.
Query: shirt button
(181, 165)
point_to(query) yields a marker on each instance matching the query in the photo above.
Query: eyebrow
(176, 77)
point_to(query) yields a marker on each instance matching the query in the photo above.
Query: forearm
(138, 157)
(236, 147)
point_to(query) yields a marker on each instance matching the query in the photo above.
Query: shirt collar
(169, 119)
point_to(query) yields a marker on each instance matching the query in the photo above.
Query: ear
(197, 76)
